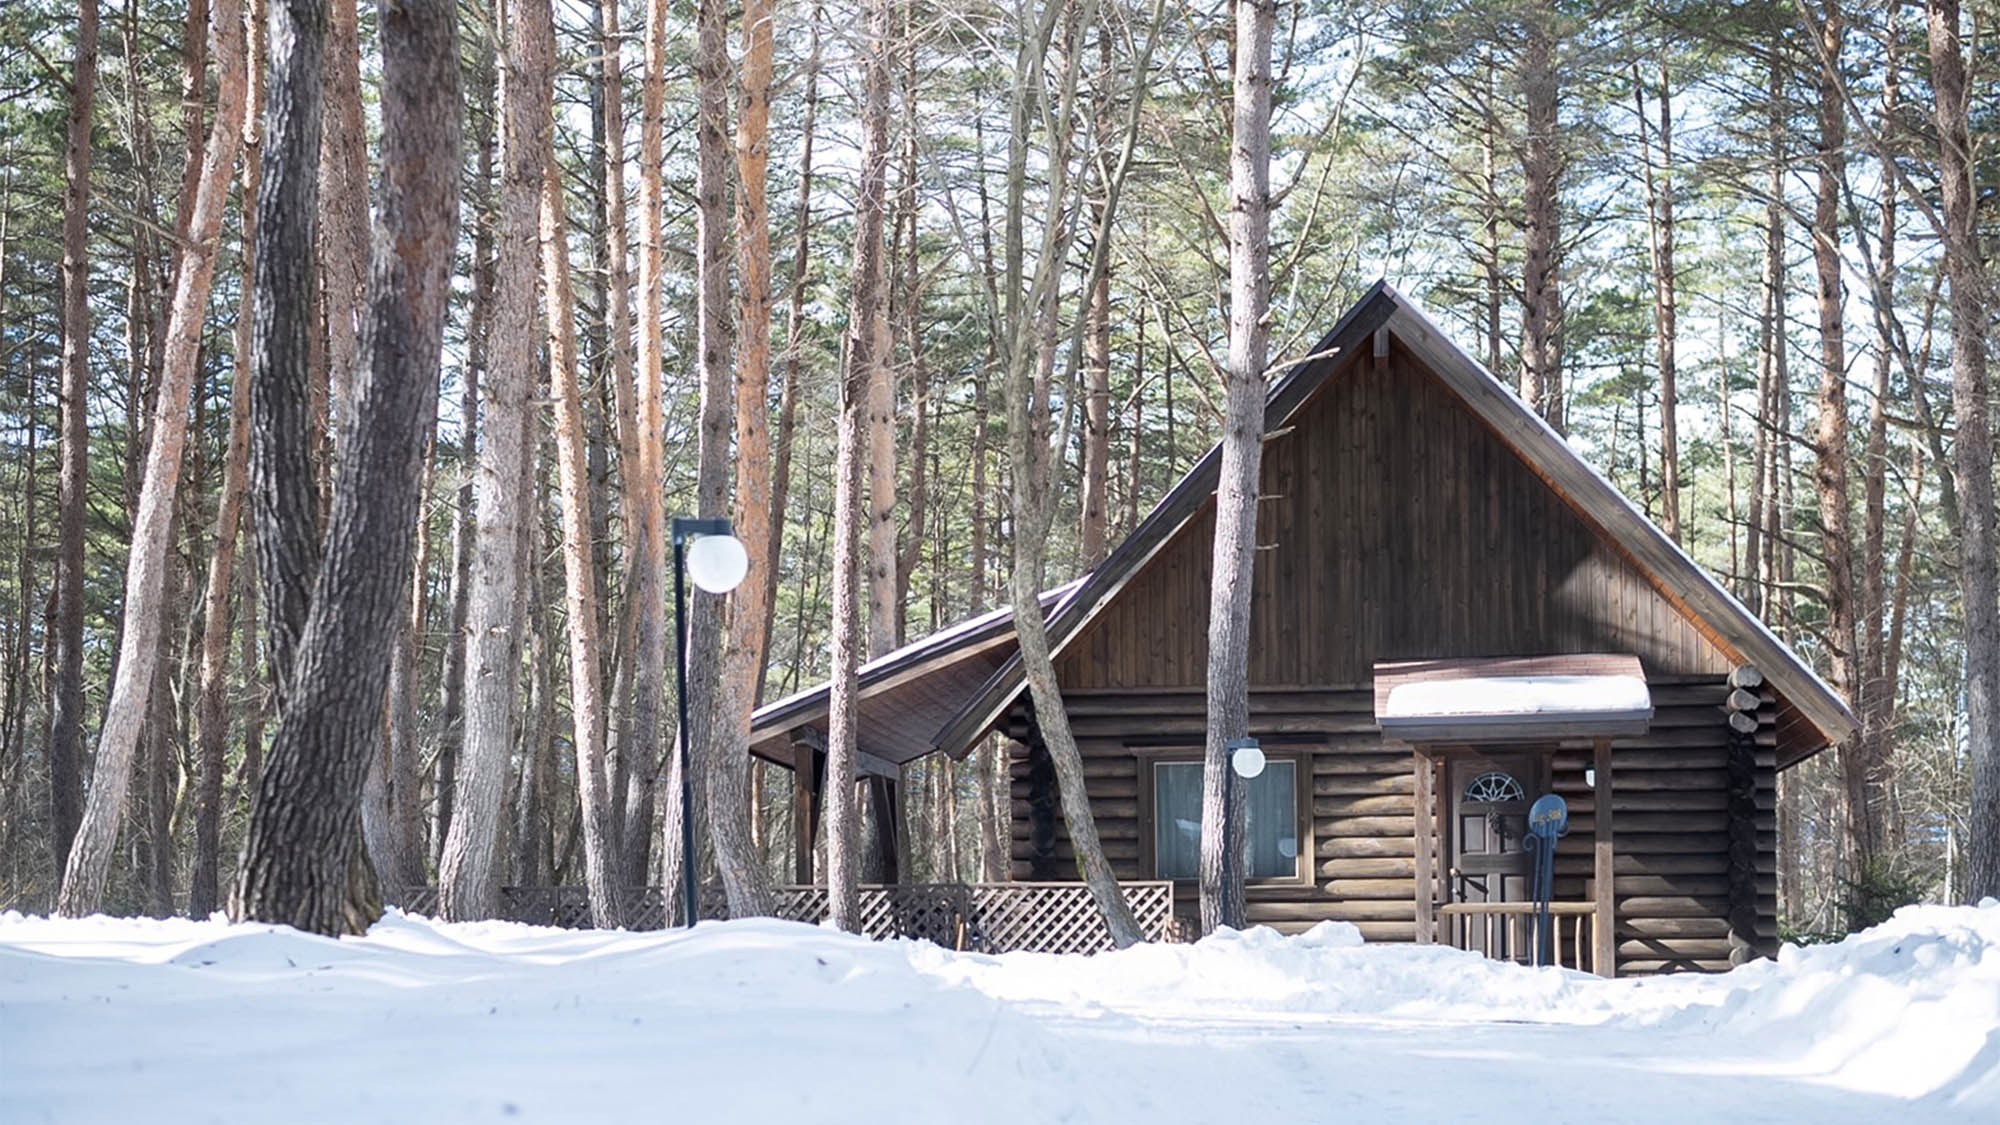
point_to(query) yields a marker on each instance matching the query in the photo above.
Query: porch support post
(1041, 811)
(808, 778)
(1426, 842)
(1605, 926)
(888, 823)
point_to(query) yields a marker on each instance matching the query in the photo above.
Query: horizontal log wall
(1671, 790)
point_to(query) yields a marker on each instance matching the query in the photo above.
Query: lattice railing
(990, 917)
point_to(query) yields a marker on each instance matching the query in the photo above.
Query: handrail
(1506, 931)
(1564, 908)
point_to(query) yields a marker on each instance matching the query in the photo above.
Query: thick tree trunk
(749, 620)
(1972, 456)
(303, 855)
(284, 480)
(865, 336)
(1865, 808)
(66, 692)
(1222, 853)
(468, 868)
(343, 199)
(212, 721)
(145, 581)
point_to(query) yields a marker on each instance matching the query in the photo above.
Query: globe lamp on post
(708, 552)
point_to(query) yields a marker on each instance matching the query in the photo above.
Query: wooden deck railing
(1506, 931)
(989, 917)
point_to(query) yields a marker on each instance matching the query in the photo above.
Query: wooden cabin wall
(1396, 525)
(1670, 785)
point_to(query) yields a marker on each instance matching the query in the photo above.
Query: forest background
(1712, 243)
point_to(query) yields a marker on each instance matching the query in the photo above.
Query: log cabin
(1453, 615)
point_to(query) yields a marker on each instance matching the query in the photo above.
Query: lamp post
(706, 551)
(1246, 760)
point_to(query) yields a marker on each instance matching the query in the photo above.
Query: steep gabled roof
(1812, 715)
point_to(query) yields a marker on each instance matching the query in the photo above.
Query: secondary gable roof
(1811, 714)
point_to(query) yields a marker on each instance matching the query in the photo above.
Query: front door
(1489, 799)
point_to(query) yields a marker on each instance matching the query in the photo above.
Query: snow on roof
(1502, 697)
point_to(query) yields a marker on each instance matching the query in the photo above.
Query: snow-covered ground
(113, 1020)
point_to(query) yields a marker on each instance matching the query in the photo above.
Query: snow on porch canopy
(1511, 699)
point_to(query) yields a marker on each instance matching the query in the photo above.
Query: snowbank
(111, 1019)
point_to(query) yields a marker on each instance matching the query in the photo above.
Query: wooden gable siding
(1396, 525)
(1673, 867)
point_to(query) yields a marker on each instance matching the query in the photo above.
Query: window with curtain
(1273, 828)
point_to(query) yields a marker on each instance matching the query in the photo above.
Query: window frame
(1147, 759)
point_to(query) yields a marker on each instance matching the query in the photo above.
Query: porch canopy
(1442, 708)
(1572, 698)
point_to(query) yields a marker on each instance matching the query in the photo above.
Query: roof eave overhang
(1499, 729)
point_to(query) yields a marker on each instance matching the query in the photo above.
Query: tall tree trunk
(587, 712)
(622, 753)
(1489, 200)
(788, 397)
(1093, 502)
(1864, 812)
(1773, 372)
(284, 473)
(1223, 857)
(145, 582)
(1660, 215)
(865, 336)
(649, 672)
(468, 869)
(531, 835)
(343, 198)
(303, 862)
(1541, 321)
(994, 804)
(194, 105)
(982, 391)
(1972, 455)
(1030, 323)
(212, 723)
(251, 670)
(396, 770)
(66, 693)
(1875, 698)
(713, 343)
(478, 349)
(910, 306)
(749, 619)
(882, 585)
